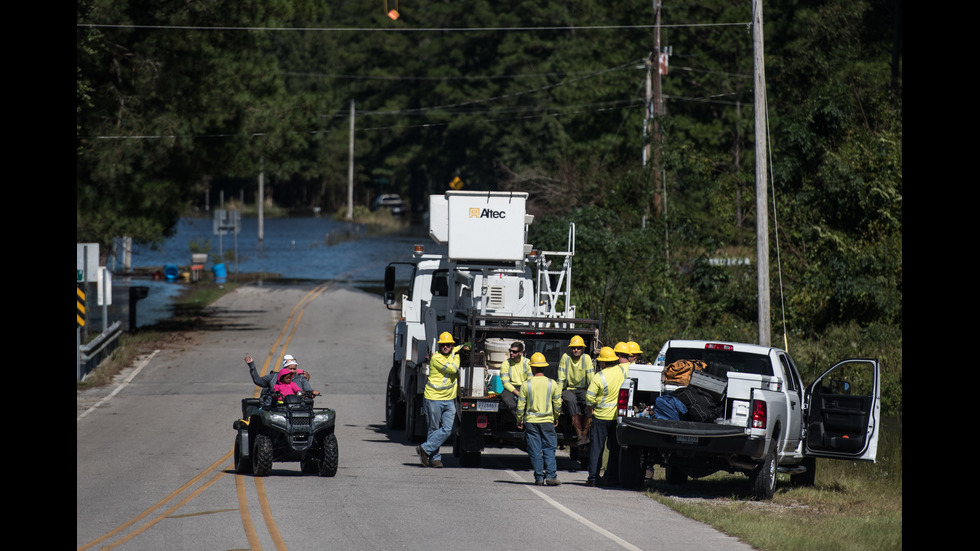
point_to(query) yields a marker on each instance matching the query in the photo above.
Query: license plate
(687, 439)
(487, 406)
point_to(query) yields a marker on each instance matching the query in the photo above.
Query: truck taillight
(758, 415)
(622, 404)
(717, 346)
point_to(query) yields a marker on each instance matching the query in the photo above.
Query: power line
(407, 29)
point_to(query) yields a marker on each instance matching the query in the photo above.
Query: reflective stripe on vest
(608, 395)
(530, 402)
(445, 380)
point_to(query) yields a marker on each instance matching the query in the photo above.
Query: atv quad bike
(291, 430)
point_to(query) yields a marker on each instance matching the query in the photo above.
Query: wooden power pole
(761, 195)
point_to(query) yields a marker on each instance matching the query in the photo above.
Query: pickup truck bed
(701, 437)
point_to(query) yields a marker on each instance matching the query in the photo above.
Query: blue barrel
(219, 273)
(171, 272)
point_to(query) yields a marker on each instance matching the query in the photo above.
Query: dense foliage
(176, 98)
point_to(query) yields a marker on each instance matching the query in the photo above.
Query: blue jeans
(439, 416)
(542, 441)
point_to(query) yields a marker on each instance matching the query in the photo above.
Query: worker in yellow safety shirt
(575, 371)
(622, 351)
(513, 372)
(439, 399)
(602, 398)
(538, 408)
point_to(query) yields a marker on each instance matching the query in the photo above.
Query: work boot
(424, 457)
(553, 482)
(436, 463)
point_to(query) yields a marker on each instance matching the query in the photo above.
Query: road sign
(104, 286)
(227, 221)
(80, 301)
(87, 261)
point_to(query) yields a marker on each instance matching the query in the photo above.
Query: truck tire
(413, 418)
(331, 456)
(675, 475)
(262, 455)
(762, 480)
(470, 459)
(394, 406)
(807, 478)
(631, 469)
(241, 466)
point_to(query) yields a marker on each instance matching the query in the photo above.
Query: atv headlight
(278, 419)
(323, 419)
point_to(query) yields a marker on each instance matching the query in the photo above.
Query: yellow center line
(242, 501)
(159, 504)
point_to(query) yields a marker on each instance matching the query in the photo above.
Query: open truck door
(844, 412)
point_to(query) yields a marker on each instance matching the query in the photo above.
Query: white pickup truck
(766, 421)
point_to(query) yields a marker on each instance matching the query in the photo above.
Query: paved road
(153, 454)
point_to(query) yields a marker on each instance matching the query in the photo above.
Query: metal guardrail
(91, 354)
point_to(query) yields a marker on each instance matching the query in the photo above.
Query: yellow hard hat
(621, 348)
(576, 341)
(606, 354)
(446, 338)
(537, 360)
(634, 348)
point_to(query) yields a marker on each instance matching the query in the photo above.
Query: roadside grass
(189, 313)
(852, 506)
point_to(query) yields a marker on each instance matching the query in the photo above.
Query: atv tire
(331, 456)
(262, 456)
(241, 467)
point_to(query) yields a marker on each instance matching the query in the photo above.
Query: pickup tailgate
(642, 425)
(687, 435)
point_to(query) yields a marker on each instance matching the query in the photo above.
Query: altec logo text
(487, 213)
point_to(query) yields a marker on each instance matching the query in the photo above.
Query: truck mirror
(389, 296)
(389, 280)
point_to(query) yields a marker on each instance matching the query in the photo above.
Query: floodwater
(310, 249)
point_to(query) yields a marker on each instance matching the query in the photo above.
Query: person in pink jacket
(285, 385)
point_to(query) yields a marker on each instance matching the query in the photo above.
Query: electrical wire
(407, 29)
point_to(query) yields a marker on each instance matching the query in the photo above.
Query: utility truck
(756, 417)
(486, 286)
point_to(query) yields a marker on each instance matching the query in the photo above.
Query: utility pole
(350, 168)
(761, 195)
(260, 201)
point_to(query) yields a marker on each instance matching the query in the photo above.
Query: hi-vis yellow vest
(603, 393)
(443, 380)
(539, 401)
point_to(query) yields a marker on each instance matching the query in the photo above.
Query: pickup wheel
(631, 469)
(807, 478)
(675, 475)
(763, 479)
